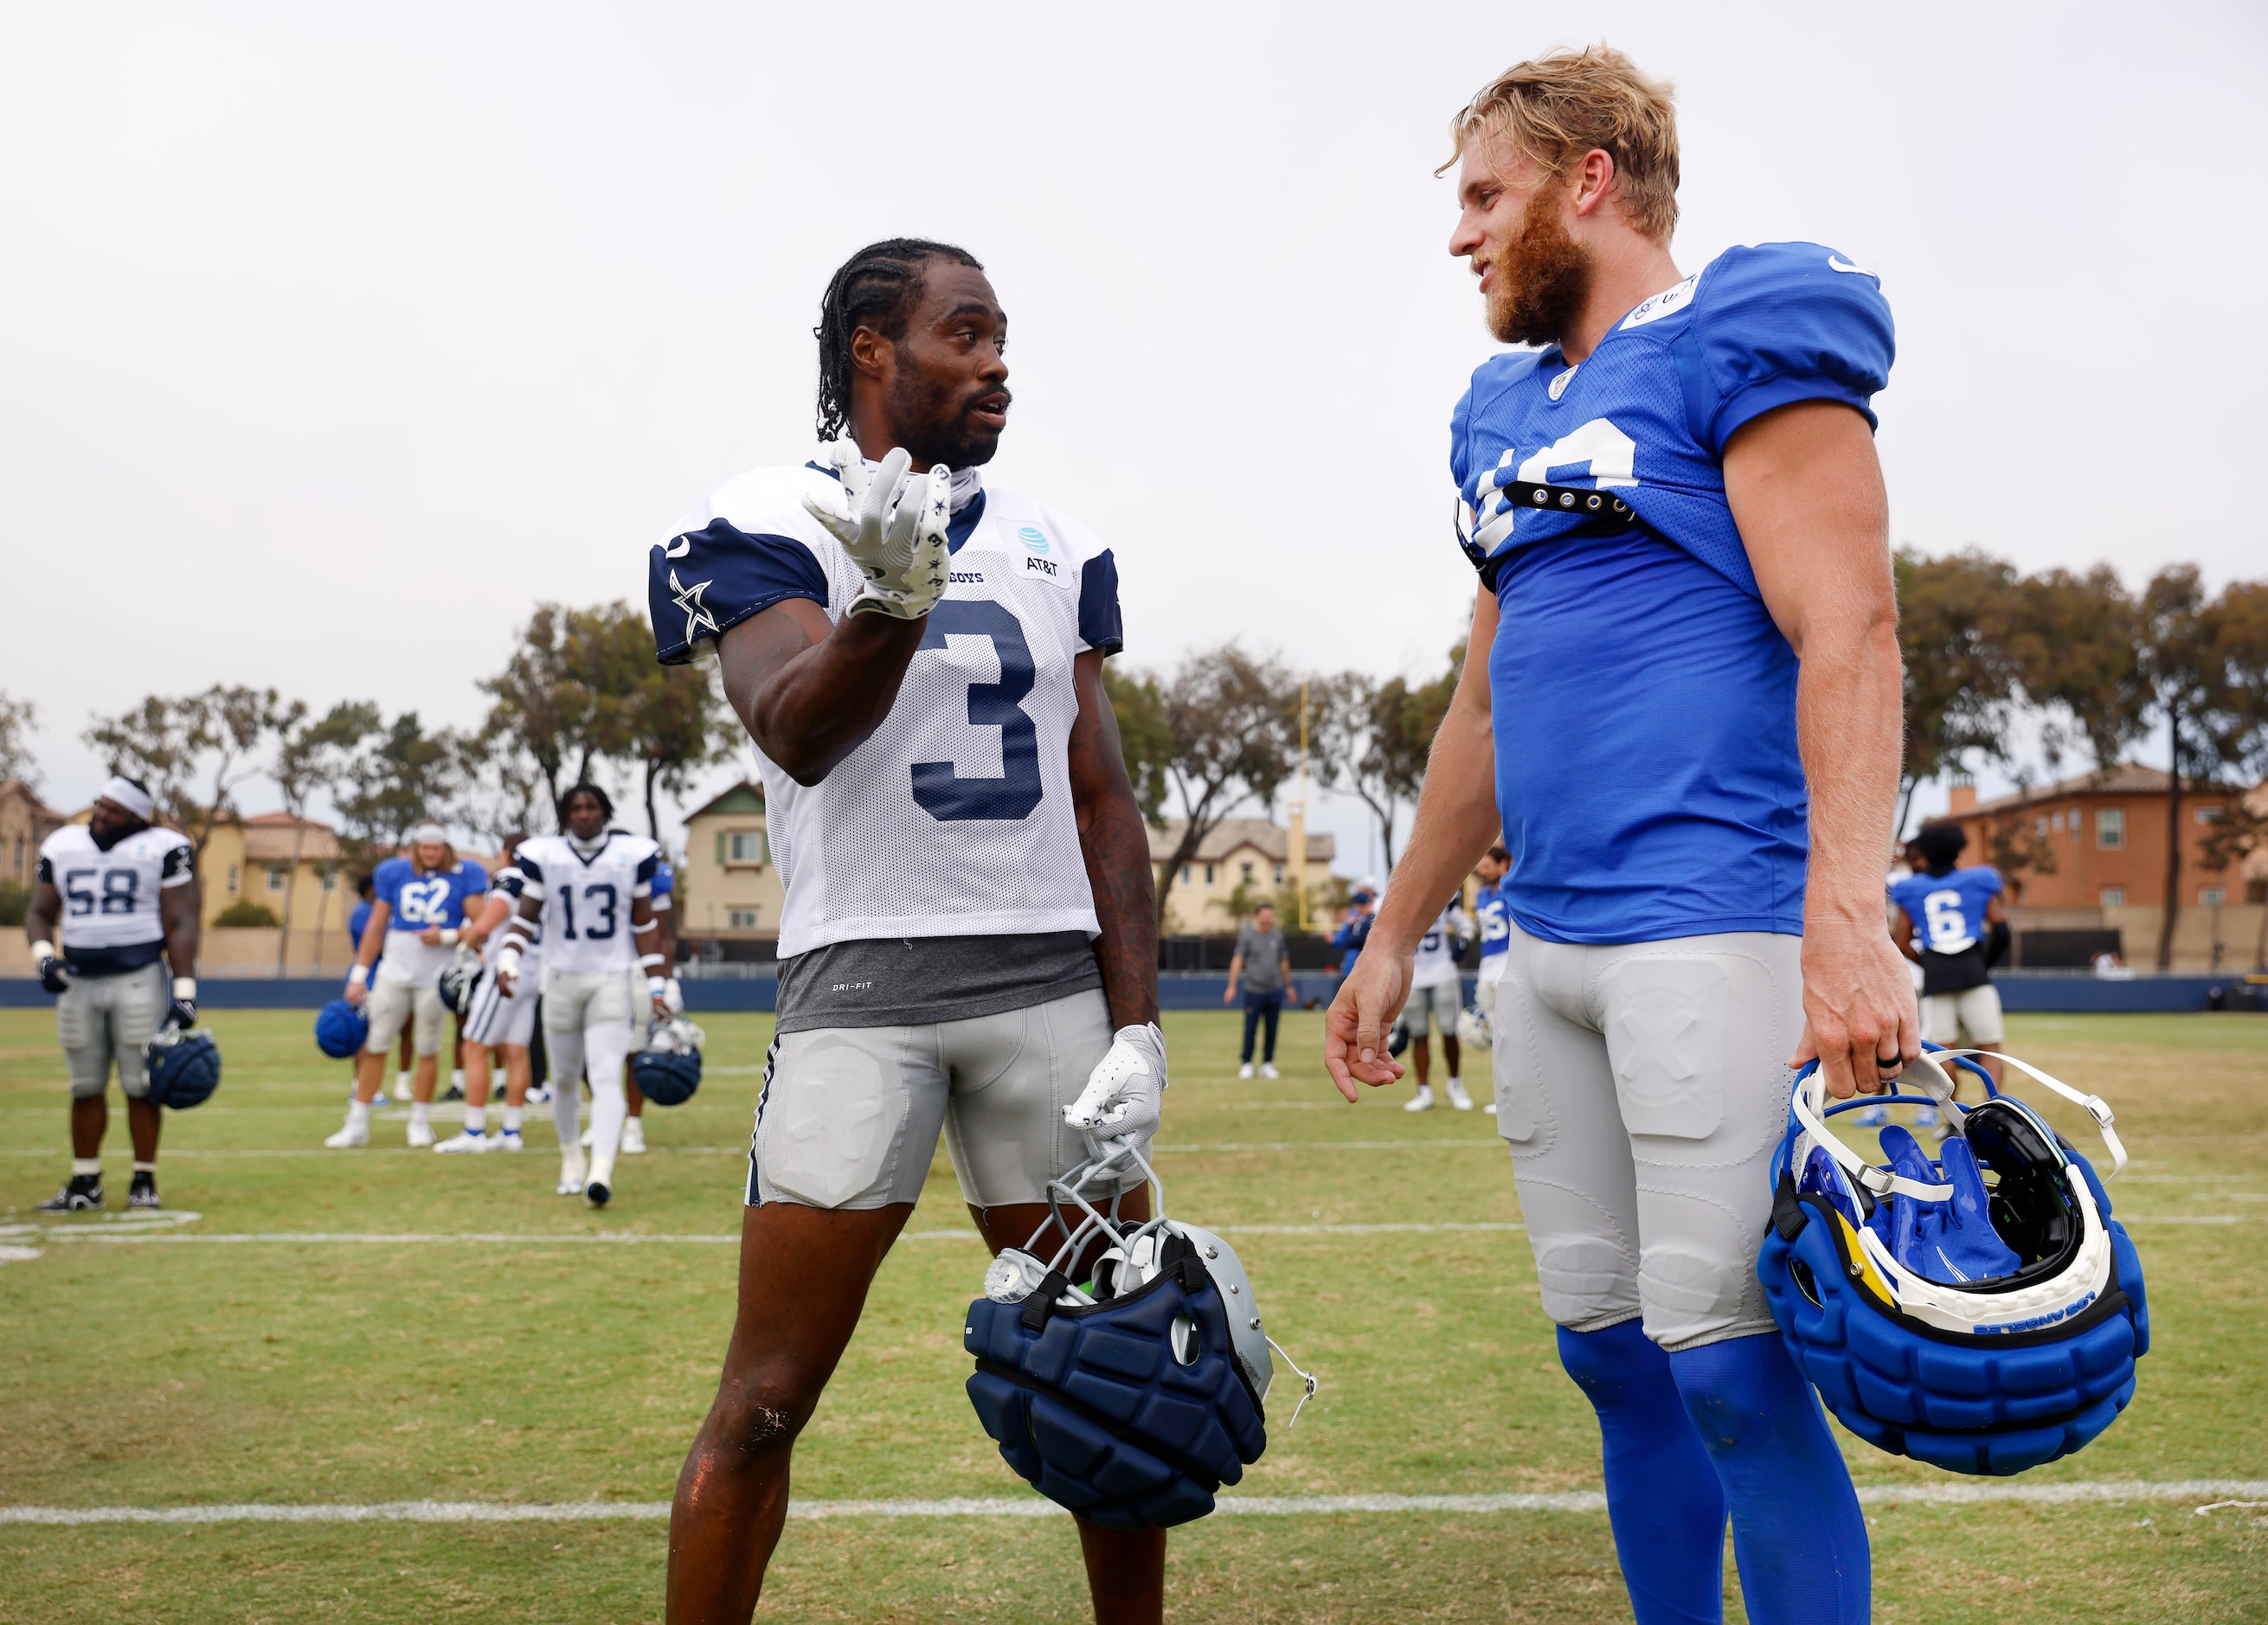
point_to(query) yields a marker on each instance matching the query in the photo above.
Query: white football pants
(589, 1029)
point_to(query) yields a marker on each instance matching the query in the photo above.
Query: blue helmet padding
(185, 1072)
(1945, 1241)
(666, 1078)
(1992, 1406)
(341, 1029)
(1094, 1409)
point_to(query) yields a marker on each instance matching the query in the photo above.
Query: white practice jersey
(1436, 962)
(110, 920)
(955, 818)
(586, 900)
(513, 883)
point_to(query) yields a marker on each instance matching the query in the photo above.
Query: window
(1209, 874)
(742, 846)
(2208, 815)
(743, 919)
(279, 876)
(1279, 874)
(231, 877)
(1245, 873)
(2110, 830)
(2114, 897)
(1185, 874)
(2211, 896)
(330, 879)
(2040, 825)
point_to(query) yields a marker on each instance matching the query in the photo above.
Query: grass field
(490, 1355)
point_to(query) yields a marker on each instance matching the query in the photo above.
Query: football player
(1495, 924)
(359, 922)
(1682, 706)
(122, 894)
(498, 1021)
(969, 935)
(1951, 923)
(417, 916)
(1436, 994)
(589, 893)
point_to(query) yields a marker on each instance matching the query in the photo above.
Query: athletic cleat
(353, 1138)
(539, 1095)
(510, 1141)
(377, 1102)
(574, 1167)
(596, 1193)
(1268, 1070)
(1423, 1101)
(1872, 1117)
(421, 1134)
(633, 1137)
(454, 1092)
(1245, 1071)
(1926, 1118)
(466, 1141)
(1490, 1108)
(143, 1193)
(1458, 1097)
(83, 1193)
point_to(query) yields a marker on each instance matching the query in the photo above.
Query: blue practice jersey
(1644, 702)
(421, 901)
(1491, 910)
(1947, 911)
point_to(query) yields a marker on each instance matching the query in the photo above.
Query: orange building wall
(2085, 868)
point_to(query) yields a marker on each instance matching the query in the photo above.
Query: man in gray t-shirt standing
(1262, 964)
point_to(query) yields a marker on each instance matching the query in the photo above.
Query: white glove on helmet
(891, 524)
(1125, 1094)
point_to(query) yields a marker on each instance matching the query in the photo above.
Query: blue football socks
(1662, 1494)
(1799, 1538)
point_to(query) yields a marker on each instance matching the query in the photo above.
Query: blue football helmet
(1983, 1311)
(668, 1069)
(1131, 1400)
(340, 1028)
(184, 1066)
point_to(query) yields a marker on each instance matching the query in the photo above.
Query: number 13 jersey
(586, 899)
(955, 818)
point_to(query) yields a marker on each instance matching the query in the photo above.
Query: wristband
(656, 988)
(185, 989)
(45, 951)
(649, 958)
(449, 937)
(357, 975)
(508, 961)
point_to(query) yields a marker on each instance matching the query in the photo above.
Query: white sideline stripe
(1032, 1506)
(65, 1233)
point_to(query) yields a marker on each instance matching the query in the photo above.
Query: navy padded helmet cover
(1094, 1410)
(664, 1077)
(184, 1073)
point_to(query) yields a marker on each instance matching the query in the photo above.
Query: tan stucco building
(1244, 861)
(730, 889)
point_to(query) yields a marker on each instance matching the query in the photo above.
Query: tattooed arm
(1117, 845)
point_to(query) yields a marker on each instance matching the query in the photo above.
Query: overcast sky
(334, 339)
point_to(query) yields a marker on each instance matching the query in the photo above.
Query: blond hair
(1559, 106)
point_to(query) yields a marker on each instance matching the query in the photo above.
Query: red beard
(1543, 276)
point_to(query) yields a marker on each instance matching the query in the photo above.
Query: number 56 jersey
(954, 817)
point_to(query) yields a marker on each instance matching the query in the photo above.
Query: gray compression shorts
(849, 1117)
(395, 1004)
(1642, 1089)
(103, 1021)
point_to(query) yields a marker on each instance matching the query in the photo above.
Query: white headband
(429, 834)
(130, 796)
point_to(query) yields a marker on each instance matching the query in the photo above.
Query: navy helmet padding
(1991, 1405)
(340, 1028)
(1089, 1405)
(185, 1073)
(666, 1078)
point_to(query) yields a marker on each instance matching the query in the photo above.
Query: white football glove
(1125, 1094)
(891, 524)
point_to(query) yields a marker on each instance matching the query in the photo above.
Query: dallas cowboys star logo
(696, 612)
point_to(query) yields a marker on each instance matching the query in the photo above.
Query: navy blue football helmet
(668, 1069)
(184, 1066)
(1131, 1400)
(1982, 1328)
(340, 1028)
(460, 981)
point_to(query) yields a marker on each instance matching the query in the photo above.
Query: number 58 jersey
(954, 817)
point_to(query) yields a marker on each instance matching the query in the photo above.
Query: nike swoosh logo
(1836, 264)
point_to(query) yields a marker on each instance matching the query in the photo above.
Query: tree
(1232, 718)
(18, 720)
(1371, 739)
(540, 702)
(500, 789)
(2074, 644)
(1145, 738)
(1955, 620)
(401, 777)
(193, 752)
(311, 756)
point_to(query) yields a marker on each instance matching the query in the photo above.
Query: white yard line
(1950, 1494)
(498, 1238)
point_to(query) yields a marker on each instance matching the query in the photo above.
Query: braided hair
(877, 286)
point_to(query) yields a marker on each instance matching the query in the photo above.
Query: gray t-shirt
(900, 981)
(1264, 958)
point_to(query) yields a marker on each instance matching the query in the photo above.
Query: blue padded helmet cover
(184, 1068)
(1092, 1407)
(341, 1029)
(666, 1078)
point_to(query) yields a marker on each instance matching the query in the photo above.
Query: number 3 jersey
(586, 899)
(1644, 700)
(954, 817)
(110, 918)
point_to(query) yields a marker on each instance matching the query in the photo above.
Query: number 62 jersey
(954, 817)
